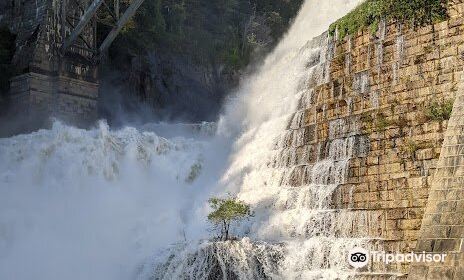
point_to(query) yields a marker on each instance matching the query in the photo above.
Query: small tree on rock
(225, 212)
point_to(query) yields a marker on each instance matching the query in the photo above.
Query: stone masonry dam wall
(381, 88)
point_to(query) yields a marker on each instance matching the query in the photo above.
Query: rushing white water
(295, 223)
(101, 204)
(92, 204)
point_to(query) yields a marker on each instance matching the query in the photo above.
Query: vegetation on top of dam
(369, 14)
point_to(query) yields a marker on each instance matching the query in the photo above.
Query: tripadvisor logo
(359, 257)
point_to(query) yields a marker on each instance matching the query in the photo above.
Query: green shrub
(411, 147)
(439, 111)
(226, 211)
(371, 12)
(367, 120)
(381, 122)
(377, 122)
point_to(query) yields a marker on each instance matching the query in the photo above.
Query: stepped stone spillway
(356, 163)
(361, 163)
(378, 90)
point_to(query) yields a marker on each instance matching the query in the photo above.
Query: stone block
(440, 273)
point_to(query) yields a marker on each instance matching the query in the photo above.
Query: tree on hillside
(226, 211)
(203, 30)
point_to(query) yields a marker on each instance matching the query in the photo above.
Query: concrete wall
(379, 89)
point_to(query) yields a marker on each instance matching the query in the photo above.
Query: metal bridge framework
(79, 17)
(57, 56)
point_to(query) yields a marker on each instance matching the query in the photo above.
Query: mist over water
(267, 100)
(104, 204)
(89, 204)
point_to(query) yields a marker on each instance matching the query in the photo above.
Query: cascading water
(93, 204)
(295, 225)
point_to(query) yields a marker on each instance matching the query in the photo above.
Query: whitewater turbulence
(129, 204)
(93, 204)
(296, 232)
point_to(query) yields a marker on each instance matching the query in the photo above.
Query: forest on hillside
(180, 57)
(224, 31)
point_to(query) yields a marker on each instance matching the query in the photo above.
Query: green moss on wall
(371, 12)
(439, 111)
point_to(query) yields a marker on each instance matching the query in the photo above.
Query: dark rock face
(186, 90)
(182, 62)
(166, 87)
(170, 86)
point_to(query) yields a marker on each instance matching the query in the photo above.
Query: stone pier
(56, 57)
(52, 82)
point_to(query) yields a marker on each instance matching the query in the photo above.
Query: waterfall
(296, 231)
(103, 204)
